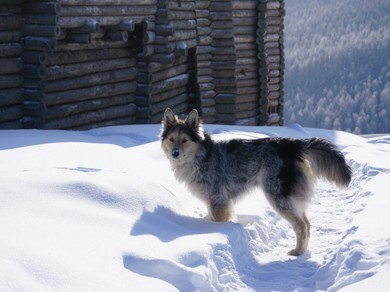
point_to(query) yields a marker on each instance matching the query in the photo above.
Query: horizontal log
(33, 108)
(39, 43)
(10, 49)
(202, 4)
(167, 84)
(247, 89)
(34, 71)
(72, 22)
(10, 65)
(8, 8)
(80, 38)
(13, 2)
(33, 94)
(47, 19)
(164, 48)
(209, 94)
(207, 102)
(249, 97)
(123, 25)
(11, 96)
(122, 10)
(202, 13)
(11, 21)
(216, 16)
(219, 6)
(67, 57)
(182, 49)
(184, 24)
(238, 30)
(41, 30)
(90, 93)
(10, 113)
(72, 70)
(249, 21)
(147, 50)
(121, 36)
(248, 83)
(162, 58)
(203, 57)
(165, 30)
(89, 118)
(263, 22)
(106, 3)
(65, 110)
(161, 75)
(182, 5)
(179, 35)
(245, 38)
(89, 26)
(34, 57)
(148, 37)
(151, 67)
(11, 36)
(225, 98)
(165, 15)
(9, 81)
(41, 7)
(91, 79)
(142, 100)
(249, 5)
(244, 13)
(234, 108)
(15, 124)
(35, 83)
(159, 107)
(222, 24)
(203, 22)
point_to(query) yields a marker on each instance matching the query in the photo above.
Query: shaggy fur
(219, 172)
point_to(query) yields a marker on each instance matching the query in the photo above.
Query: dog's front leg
(220, 208)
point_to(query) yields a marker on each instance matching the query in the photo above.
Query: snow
(100, 210)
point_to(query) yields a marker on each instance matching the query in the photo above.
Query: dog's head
(181, 138)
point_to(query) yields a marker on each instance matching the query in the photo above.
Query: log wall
(11, 65)
(72, 64)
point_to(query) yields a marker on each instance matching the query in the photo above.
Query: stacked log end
(204, 56)
(11, 80)
(167, 77)
(245, 19)
(271, 60)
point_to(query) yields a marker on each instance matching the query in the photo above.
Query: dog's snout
(175, 153)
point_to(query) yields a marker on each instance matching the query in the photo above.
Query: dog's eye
(184, 141)
(172, 140)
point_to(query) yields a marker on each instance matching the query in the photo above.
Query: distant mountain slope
(338, 64)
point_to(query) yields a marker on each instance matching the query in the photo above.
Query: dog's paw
(295, 252)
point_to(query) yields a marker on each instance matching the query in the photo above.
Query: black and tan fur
(218, 172)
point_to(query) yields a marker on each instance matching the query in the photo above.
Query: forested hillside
(338, 64)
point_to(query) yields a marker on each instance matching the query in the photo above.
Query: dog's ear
(192, 119)
(169, 118)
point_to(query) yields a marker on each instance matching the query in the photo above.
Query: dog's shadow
(167, 226)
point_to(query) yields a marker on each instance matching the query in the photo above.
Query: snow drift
(101, 211)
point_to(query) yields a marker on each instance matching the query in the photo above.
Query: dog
(219, 172)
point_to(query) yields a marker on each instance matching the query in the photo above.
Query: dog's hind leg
(301, 228)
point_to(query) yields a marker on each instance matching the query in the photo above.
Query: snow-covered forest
(338, 65)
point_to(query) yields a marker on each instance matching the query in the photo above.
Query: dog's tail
(327, 161)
